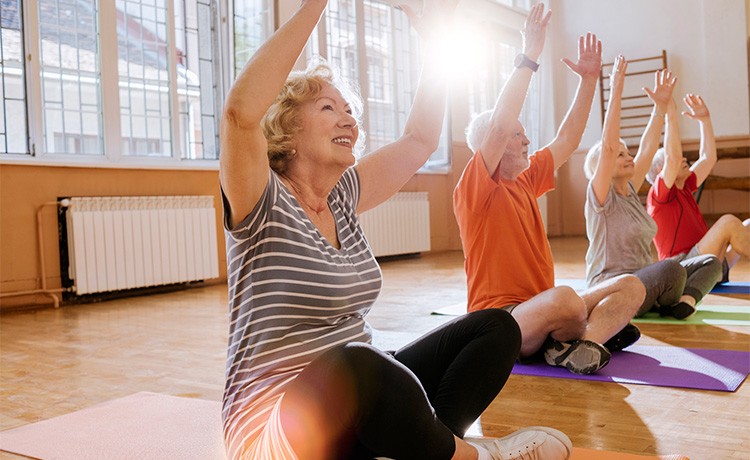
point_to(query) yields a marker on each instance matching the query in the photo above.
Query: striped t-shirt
(292, 296)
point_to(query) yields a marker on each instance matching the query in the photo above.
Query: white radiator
(401, 225)
(117, 243)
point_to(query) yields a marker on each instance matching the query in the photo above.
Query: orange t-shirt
(508, 257)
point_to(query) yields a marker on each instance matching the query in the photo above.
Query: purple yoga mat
(666, 366)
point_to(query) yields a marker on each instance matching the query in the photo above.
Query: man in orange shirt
(508, 257)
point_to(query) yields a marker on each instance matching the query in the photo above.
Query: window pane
(341, 25)
(144, 77)
(252, 25)
(382, 123)
(13, 132)
(197, 77)
(68, 35)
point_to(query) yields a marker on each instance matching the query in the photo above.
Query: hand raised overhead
(433, 20)
(664, 82)
(697, 109)
(589, 57)
(535, 31)
(617, 76)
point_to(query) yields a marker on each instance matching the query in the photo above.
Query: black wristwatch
(523, 61)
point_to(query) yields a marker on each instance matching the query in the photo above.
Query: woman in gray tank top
(619, 229)
(303, 380)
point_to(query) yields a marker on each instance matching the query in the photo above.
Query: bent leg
(728, 230)
(732, 256)
(464, 364)
(703, 272)
(558, 312)
(664, 282)
(611, 305)
(355, 397)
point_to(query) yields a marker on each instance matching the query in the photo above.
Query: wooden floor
(56, 361)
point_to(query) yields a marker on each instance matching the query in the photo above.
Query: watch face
(519, 60)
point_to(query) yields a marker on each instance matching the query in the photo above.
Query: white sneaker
(534, 442)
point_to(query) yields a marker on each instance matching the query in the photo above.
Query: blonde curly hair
(281, 122)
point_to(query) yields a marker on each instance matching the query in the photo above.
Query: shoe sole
(603, 353)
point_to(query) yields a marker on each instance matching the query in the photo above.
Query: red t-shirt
(677, 215)
(508, 257)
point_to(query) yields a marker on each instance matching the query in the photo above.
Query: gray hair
(477, 129)
(592, 159)
(657, 164)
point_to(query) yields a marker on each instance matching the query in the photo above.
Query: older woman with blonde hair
(617, 225)
(303, 380)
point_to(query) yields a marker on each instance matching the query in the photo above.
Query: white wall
(705, 42)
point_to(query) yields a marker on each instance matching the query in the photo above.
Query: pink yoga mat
(720, 370)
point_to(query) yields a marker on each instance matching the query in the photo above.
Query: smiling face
(624, 166)
(515, 160)
(328, 131)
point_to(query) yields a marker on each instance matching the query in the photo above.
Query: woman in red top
(682, 231)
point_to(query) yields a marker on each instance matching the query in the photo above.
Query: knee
(501, 326)
(569, 305)
(729, 223)
(357, 359)
(673, 271)
(630, 287)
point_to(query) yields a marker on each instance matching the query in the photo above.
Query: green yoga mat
(709, 315)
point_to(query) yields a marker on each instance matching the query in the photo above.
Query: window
(129, 80)
(198, 71)
(13, 130)
(143, 71)
(252, 25)
(373, 45)
(70, 76)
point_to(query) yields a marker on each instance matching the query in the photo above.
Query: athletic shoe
(534, 442)
(623, 339)
(579, 356)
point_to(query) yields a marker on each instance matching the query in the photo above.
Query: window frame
(111, 140)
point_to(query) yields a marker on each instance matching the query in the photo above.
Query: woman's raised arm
(243, 170)
(383, 172)
(602, 180)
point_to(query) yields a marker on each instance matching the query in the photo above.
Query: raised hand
(697, 109)
(432, 22)
(664, 83)
(617, 77)
(589, 57)
(534, 31)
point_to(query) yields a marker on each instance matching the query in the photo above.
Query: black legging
(409, 404)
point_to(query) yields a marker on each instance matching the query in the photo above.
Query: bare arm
(571, 130)
(511, 99)
(243, 165)
(602, 180)
(383, 172)
(664, 83)
(672, 146)
(698, 111)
